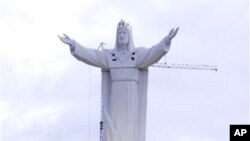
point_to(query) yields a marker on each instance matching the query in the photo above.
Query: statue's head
(124, 39)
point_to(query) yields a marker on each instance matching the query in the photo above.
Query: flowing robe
(124, 87)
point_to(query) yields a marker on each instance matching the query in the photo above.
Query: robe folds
(124, 87)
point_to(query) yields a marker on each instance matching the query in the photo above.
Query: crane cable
(89, 97)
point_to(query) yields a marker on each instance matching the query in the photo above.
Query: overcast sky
(47, 95)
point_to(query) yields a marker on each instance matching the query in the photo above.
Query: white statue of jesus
(124, 81)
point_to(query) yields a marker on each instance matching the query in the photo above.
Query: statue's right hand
(66, 39)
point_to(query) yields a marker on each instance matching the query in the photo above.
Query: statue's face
(122, 36)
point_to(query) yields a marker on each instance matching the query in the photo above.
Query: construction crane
(165, 65)
(185, 66)
(176, 66)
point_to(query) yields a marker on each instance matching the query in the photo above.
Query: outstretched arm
(150, 56)
(67, 40)
(87, 55)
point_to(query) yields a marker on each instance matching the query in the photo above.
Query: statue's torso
(122, 66)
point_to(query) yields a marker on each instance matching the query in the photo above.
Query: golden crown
(124, 24)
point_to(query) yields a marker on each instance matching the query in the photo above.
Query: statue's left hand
(172, 33)
(170, 36)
